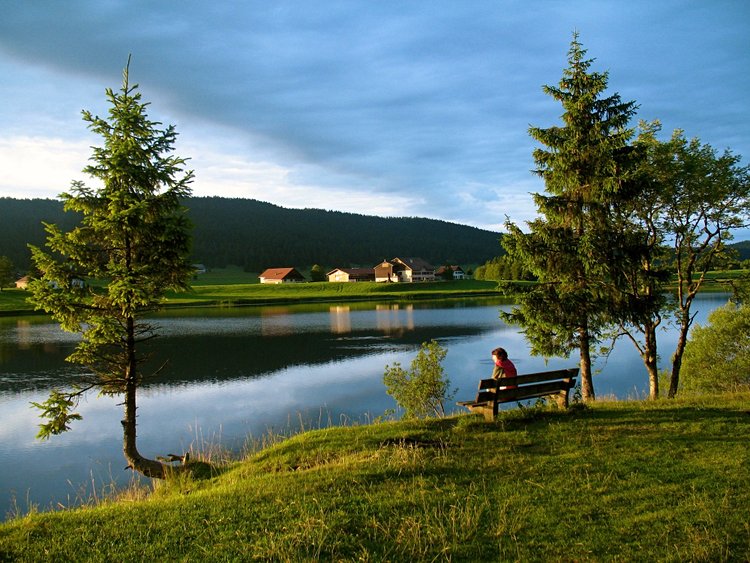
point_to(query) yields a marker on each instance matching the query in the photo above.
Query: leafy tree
(447, 272)
(741, 286)
(317, 273)
(101, 277)
(717, 356)
(689, 200)
(423, 390)
(575, 248)
(706, 196)
(644, 287)
(7, 274)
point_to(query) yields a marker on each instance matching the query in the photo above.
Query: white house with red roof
(281, 275)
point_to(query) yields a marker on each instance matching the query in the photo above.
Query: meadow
(229, 287)
(234, 287)
(615, 481)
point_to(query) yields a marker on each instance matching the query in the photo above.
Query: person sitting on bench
(504, 368)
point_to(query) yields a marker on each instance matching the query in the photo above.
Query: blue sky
(408, 108)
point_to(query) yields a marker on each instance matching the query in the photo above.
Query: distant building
(23, 283)
(404, 270)
(456, 272)
(351, 275)
(281, 275)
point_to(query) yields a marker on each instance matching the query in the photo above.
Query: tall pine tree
(576, 247)
(103, 276)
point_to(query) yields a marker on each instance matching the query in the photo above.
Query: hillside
(743, 249)
(628, 481)
(257, 235)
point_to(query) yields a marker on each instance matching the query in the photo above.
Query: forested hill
(743, 249)
(257, 235)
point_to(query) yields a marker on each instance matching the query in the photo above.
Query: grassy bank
(227, 289)
(250, 294)
(233, 287)
(625, 481)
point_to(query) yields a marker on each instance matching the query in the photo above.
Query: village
(403, 270)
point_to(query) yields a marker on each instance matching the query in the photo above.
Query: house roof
(281, 273)
(415, 263)
(442, 269)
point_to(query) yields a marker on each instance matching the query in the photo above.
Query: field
(629, 481)
(233, 287)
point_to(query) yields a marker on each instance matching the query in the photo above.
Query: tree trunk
(685, 322)
(674, 379)
(148, 467)
(587, 382)
(650, 356)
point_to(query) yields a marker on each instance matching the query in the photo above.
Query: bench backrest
(544, 381)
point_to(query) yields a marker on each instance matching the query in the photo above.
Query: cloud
(421, 106)
(39, 166)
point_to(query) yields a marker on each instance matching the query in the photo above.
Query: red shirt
(509, 370)
(506, 369)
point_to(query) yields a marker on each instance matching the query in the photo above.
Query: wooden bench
(529, 386)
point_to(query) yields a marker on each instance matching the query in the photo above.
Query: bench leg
(562, 399)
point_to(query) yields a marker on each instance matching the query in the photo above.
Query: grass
(234, 287)
(13, 300)
(667, 480)
(249, 294)
(225, 289)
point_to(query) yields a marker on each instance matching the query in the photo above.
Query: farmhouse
(351, 275)
(404, 270)
(281, 275)
(456, 271)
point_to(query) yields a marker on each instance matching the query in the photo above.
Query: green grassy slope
(618, 481)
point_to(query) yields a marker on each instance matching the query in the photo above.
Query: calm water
(235, 373)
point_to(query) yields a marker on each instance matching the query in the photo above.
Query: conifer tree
(576, 246)
(101, 277)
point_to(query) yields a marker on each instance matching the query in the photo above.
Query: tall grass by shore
(665, 480)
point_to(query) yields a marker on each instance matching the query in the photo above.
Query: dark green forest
(256, 235)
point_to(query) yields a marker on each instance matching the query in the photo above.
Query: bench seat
(492, 392)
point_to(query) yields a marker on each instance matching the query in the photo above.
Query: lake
(235, 373)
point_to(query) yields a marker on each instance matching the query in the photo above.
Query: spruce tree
(132, 244)
(576, 246)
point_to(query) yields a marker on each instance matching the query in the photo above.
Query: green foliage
(447, 273)
(503, 268)
(276, 236)
(741, 286)
(131, 246)
(575, 248)
(422, 390)
(717, 356)
(317, 273)
(692, 199)
(7, 273)
(57, 409)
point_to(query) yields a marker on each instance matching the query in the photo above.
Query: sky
(390, 108)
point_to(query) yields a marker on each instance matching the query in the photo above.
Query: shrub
(423, 390)
(717, 356)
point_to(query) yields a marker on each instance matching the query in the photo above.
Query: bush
(717, 356)
(423, 390)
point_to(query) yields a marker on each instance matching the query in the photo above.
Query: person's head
(500, 353)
